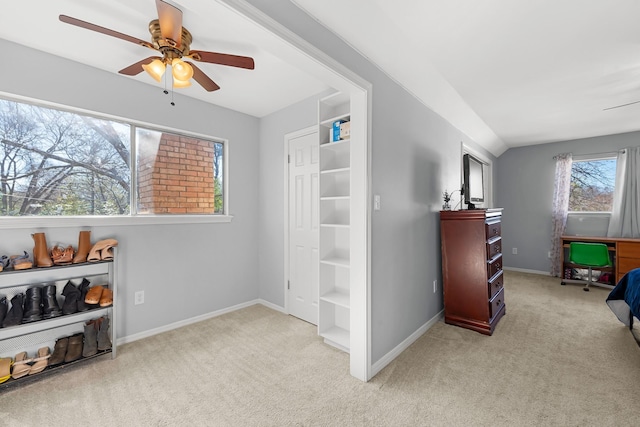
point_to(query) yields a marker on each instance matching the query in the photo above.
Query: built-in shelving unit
(334, 317)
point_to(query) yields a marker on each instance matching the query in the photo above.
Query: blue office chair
(590, 256)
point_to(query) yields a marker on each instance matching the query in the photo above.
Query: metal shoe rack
(30, 337)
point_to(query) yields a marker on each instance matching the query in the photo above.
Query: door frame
(339, 77)
(287, 249)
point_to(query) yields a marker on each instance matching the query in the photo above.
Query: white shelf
(337, 337)
(332, 171)
(329, 122)
(328, 225)
(336, 145)
(328, 198)
(337, 297)
(337, 261)
(337, 98)
(335, 212)
(56, 322)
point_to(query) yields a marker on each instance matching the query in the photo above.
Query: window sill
(105, 221)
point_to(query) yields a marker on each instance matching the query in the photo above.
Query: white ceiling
(506, 73)
(274, 83)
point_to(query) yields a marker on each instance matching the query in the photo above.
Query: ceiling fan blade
(622, 105)
(136, 68)
(93, 27)
(170, 18)
(204, 80)
(222, 59)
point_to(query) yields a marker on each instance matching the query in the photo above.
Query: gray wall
(415, 156)
(185, 270)
(525, 190)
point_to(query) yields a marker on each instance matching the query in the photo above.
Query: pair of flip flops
(102, 250)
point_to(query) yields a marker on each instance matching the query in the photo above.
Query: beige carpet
(559, 358)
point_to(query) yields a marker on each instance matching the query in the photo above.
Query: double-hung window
(592, 183)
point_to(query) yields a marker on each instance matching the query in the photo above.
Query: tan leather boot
(41, 256)
(84, 246)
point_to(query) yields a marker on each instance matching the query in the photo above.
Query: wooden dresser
(472, 268)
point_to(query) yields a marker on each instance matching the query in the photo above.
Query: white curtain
(624, 220)
(560, 209)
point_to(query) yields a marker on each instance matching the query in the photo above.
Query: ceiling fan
(621, 105)
(173, 41)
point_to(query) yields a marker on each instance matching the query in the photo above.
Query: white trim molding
(192, 320)
(390, 356)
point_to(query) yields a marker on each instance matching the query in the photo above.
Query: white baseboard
(525, 270)
(271, 305)
(176, 325)
(388, 358)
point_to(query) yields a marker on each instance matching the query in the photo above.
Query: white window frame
(133, 218)
(587, 158)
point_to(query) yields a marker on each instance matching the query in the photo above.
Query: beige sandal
(42, 360)
(95, 254)
(21, 366)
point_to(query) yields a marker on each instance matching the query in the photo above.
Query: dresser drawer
(628, 250)
(494, 266)
(494, 247)
(496, 285)
(496, 303)
(627, 264)
(493, 229)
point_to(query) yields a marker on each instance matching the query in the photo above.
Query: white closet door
(303, 227)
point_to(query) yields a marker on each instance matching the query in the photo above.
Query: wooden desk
(625, 253)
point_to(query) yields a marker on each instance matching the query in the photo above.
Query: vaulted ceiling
(507, 73)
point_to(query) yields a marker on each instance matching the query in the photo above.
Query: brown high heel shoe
(41, 256)
(84, 246)
(96, 252)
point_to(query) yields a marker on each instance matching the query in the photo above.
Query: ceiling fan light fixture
(155, 69)
(181, 83)
(181, 70)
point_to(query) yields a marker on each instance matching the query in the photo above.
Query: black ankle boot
(4, 307)
(14, 316)
(32, 305)
(83, 287)
(50, 307)
(71, 295)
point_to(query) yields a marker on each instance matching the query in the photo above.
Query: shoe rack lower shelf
(43, 325)
(51, 370)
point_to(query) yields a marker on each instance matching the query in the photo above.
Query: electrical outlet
(549, 254)
(514, 251)
(376, 202)
(435, 286)
(138, 298)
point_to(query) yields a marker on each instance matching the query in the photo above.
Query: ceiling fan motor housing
(169, 48)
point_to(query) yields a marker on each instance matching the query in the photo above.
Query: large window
(59, 163)
(592, 184)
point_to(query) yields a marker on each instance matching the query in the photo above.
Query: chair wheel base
(585, 289)
(563, 283)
